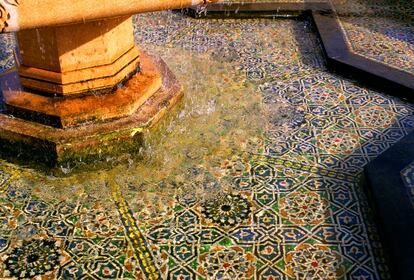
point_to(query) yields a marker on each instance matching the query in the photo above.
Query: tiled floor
(385, 35)
(255, 176)
(7, 56)
(379, 30)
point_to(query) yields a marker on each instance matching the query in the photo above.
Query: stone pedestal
(78, 58)
(82, 90)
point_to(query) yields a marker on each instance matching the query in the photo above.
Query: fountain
(82, 85)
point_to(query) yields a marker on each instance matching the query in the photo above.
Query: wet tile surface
(255, 176)
(378, 30)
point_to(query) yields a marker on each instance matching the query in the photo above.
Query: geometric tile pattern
(79, 239)
(378, 30)
(271, 241)
(7, 47)
(385, 40)
(281, 203)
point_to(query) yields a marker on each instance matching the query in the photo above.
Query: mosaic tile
(378, 30)
(385, 40)
(314, 262)
(7, 52)
(254, 177)
(35, 257)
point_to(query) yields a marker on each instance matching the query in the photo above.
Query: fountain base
(116, 126)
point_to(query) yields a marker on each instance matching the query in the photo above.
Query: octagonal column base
(54, 146)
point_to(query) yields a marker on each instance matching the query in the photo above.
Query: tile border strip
(340, 58)
(394, 234)
(132, 232)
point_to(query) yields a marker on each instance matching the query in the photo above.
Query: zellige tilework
(254, 177)
(385, 40)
